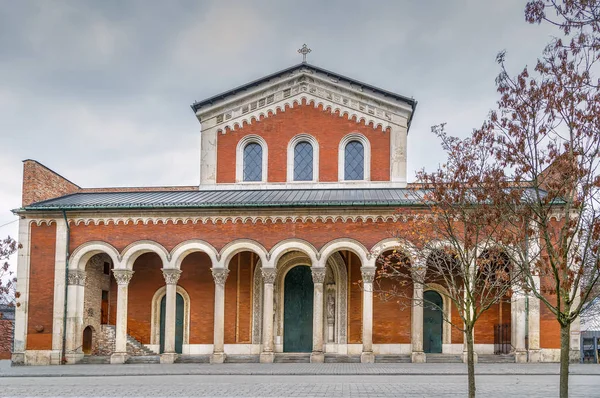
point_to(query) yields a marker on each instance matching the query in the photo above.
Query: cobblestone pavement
(297, 386)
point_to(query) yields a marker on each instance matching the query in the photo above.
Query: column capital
(220, 275)
(76, 277)
(318, 274)
(368, 274)
(171, 275)
(122, 276)
(268, 274)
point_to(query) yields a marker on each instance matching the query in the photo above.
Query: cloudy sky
(100, 91)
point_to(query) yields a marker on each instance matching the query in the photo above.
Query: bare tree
(8, 281)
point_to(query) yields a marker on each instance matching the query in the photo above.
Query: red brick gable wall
(40, 183)
(327, 128)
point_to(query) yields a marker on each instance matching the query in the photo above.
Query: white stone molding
(21, 310)
(367, 274)
(291, 158)
(136, 249)
(241, 245)
(337, 245)
(318, 274)
(76, 277)
(268, 275)
(288, 245)
(155, 317)
(408, 248)
(257, 296)
(83, 253)
(180, 251)
(447, 304)
(60, 265)
(239, 158)
(219, 275)
(123, 276)
(342, 155)
(171, 275)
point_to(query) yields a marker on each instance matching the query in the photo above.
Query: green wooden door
(298, 310)
(433, 321)
(178, 323)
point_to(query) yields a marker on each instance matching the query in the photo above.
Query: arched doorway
(88, 338)
(433, 322)
(178, 323)
(298, 310)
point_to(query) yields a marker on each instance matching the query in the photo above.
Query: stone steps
(443, 358)
(242, 359)
(94, 360)
(337, 358)
(392, 358)
(491, 358)
(143, 359)
(193, 359)
(292, 357)
(139, 347)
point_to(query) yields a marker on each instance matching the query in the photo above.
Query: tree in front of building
(8, 281)
(457, 238)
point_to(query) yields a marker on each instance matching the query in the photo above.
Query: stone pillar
(575, 333)
(417, 356)
(74, 338)
(20, 325)
(60, 265)
(171, 276)
(267, 355)
(318, 276)
(534, 325)
(368, 275)
(520, 320)
(220, 276)
(122, 276)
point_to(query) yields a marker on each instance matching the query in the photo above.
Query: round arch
(238, 246)
(239, 157)
(408, 248)
(84, 252)
(180, 251)
(447, 304)
(289, 245)
(345, 244)
(342, 155)
(136, 249)
(155, 315)
(290, 155)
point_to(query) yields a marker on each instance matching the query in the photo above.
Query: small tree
(458, 233)
(8, 281)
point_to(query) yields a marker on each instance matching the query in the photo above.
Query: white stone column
(417, 356)
(520, 320)
(21, 311)
(171, 276)
(368, 275)
(318, 276)
(267, 355)
(75, 303)
(60, 265)
(123, 277)
(575, 332)
(534, 325)
(220, 276)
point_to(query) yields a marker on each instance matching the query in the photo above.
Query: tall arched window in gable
(253, 162)
(354, 161)
(303, 161)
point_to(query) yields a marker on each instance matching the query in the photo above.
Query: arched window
(253, 160)
(303, 161)
(354, 161)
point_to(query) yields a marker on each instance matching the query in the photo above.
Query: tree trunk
(470, 361)
(564, 360)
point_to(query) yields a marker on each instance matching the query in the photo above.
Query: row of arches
(354, 159)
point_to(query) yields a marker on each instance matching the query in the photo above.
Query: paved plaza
(294, 380)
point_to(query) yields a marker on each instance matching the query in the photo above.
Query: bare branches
(8, 282)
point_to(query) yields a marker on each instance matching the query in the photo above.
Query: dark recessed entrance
(433, 321)
(298, 310)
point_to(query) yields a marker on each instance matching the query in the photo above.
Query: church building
(270, 258)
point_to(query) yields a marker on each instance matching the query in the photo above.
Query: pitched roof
(232, 199)
(197, 105)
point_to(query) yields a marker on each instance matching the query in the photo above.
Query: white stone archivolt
(82, 254)
(342, 155)
(239, 158)
(291, 160)
(289, 245)
(238, 246)
(136, 249)
(345, 244)
(180, 251)
(155, 317)
(447, 304)
(388, 244)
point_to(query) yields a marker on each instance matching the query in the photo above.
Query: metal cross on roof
(304, 50)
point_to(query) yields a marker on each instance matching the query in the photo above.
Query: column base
(574, 356)
(168, 357)
(118, 358)
(535, 356)
(367, 357)
(217, 357)
(267, 357)
(73, 358)
(465, 357)
(418, 357)
(317, 357)
(520, 356)
(17, 359)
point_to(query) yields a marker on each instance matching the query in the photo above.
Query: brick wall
(95, 281)
(327, 128)
(40, 183)
(238, 299)
(6, 330)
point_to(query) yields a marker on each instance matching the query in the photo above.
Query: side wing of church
(271, 258)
